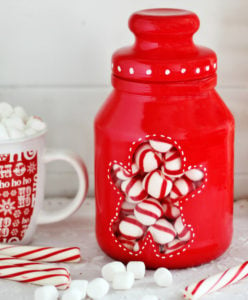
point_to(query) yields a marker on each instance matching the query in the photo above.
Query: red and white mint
(148, 211)
(131, 228)
(194, 174)
(134, 190)
(120, 172)
(162, 231)
(171, 211)
(181, 187)
(160, 146)
(127, 208)
(146, 158)
(183, 232)
(174, 246)
(172, 161)
(157, 185)
(129, 244)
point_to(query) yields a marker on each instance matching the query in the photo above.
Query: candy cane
(216, 282)
(47, 254)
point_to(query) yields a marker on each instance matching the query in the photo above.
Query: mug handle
(77, 163)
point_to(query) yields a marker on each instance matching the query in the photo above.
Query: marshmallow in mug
(15, 123)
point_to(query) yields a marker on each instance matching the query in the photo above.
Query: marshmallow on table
(146, 158)
(160, 146)
(129, 244)
(174, 246)
(194, 174)
(123, 281)
(109, 270)
(81, 286)
(97, 288)
(71, 294)
(162, 231)
(148, 211)
(181, 187)
(171, 211)
(138, 268)
(172, 161)
(149, 297)
(183, 232)
(131, 228)
(157, 185)
(163, 277)
(48, 292)
(134, 190)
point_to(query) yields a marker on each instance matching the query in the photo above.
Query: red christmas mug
(22, 176)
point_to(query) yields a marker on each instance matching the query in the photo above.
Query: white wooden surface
(55, 60)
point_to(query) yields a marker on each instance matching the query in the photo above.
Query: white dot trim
(198, 70)
(183, 70)
(167, 72)
(119, 68)
(131, 71)
(148, 72)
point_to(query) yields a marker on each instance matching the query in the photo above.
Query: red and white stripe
(46, 254)
(183, 232)
(216, 282)
(160, 146)
(174, 246)
(181, 187)
(134, 190)
(33, 272)
(157, 185)
(120, 172)
(127, 208)
(146, 158)
(131, 228)
(148, 211)
(172, 162)
(129, 244)
(194, 174)
(162, 232)
(171, 211)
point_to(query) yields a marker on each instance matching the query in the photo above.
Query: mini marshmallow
(163, 277)
(194, 174)
(157, 185)
(13, 122)
(160, 146)
(123, 281)
(80, 285)
(72, 294)
(131, 228)
(173, 161)
(3, 132)
(48, 292)
(97, 288)
(134, 190)
(183, 232)
(138, 268)
(36, 123)
(6, 110)
(109, 270)
(21, 113)
(30, 131)
(149, 297)
(16, 133)
(181, 187)
(146, 158)
(148, 211)
(162, 231)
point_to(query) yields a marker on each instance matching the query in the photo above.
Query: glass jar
(164, 149)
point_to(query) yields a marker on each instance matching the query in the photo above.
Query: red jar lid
(164, 49)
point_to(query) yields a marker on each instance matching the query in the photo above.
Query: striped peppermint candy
(171, 211)
(127, 208)
(129, 244)
(157, 185)
(146, 158)
(162, 231)
(122, 174)
(183, 232)
(160, 146)
(172, 162)
(181, 187)
(174, 246)
(216, 282)
(148, 211)
(194, 174)
(134, 190)
(131, 228)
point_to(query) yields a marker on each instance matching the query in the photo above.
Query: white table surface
(78, 230)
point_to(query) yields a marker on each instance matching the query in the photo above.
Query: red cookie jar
(164, 149)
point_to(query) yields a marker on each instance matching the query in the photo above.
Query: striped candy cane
(216, 282)
(46, 254)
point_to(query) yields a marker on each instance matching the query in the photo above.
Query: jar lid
(164, 49)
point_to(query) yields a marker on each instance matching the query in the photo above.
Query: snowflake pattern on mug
(151, 191)
(18, 178)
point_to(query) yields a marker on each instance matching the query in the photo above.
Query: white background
(55, 60)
